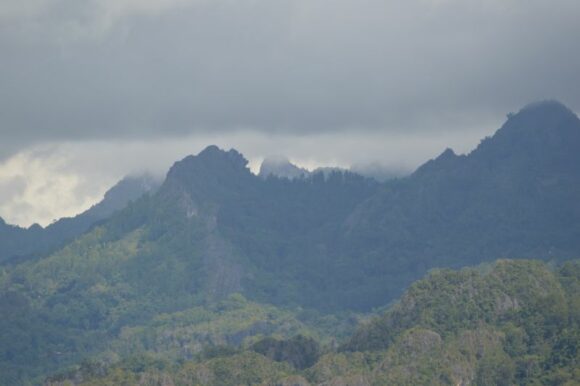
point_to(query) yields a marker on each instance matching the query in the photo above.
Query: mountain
(212, 229)
(327, 243)
(18, 243)
(505, 323)
(514, 196)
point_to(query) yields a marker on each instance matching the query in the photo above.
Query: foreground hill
(511, 322)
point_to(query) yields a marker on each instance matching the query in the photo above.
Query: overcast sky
(91, 90)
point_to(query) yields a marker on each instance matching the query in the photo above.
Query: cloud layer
(104, 69)
(268, 77)
(51, 181)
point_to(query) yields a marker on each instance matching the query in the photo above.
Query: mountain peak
(544, 132)
(213, 154)
(541, 118)
(550, 106)
(211, 151)
(210, 159)
(210, 174)
(447, 154)
(443, 161)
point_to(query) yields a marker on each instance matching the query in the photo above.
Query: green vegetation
(510, 322)
(157, 277)
(221, 264)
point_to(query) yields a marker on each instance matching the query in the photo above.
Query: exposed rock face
(207, 180)
(506, 303)
(196, 189)
(224, 275)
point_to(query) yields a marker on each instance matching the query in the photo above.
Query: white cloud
(45, 190)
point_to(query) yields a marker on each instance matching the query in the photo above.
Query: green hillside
(510, 322)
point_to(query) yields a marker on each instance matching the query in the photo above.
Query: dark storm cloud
(104, 69)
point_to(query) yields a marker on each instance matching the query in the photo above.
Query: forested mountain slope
(175, 252)
(515, 195)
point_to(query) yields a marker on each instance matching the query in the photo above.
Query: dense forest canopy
(504, 323)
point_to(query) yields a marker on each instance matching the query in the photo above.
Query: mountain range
(138, 267)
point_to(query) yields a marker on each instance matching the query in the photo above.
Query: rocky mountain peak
(545, 133)
(212, 175)
(541, 136)
(211, 160)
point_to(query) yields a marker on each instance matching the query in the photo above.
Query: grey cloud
(86, 70)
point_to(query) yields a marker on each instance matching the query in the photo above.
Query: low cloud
(51, 181)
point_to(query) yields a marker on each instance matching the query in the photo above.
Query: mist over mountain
(22, 243)
(281, 167)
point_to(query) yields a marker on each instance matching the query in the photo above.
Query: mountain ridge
(526, 181)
